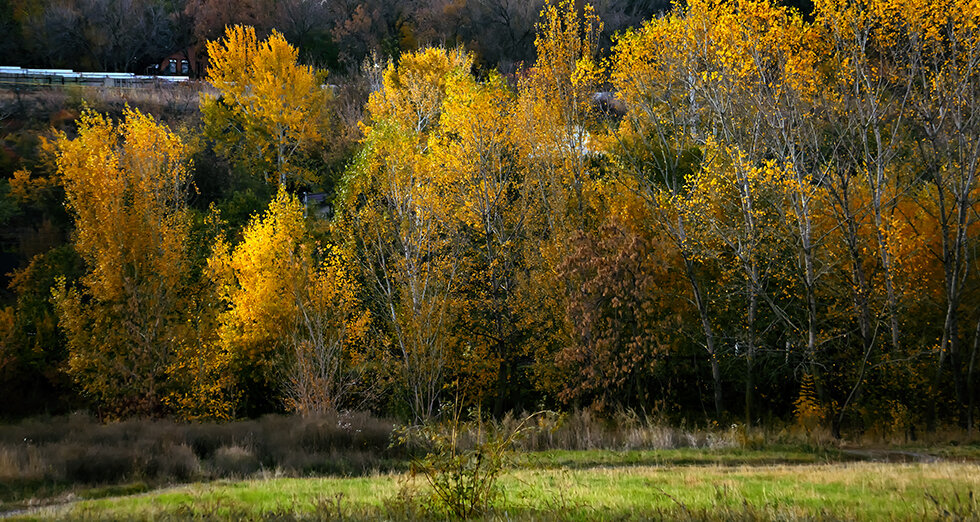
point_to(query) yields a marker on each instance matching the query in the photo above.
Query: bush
(79, 450)
(465, 461)
(205, 439)
(235, 461)
(97, 464)
(176, 462)
(317, 435)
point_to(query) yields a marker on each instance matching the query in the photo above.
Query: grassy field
(592, 485)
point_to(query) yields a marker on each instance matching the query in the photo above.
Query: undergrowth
(465, 458)
(42, 456)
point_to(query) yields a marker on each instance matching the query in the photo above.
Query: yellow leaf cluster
(286, 299)
(126, 187)
(269, 107)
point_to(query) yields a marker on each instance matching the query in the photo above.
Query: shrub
(97, 464)
(331, 443)
(205, 439)
(42, 430)
(323, 434)
(465, 461)
(176, 462)
(235, 461)
(79, 450)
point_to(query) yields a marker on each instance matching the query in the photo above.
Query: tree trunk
(498, 401)
(750, 359)
(971, 382)
(709, 335)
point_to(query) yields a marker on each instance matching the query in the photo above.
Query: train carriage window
(185, 67)
(172, 67)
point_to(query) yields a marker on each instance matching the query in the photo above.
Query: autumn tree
(870, 105)
(656, 148)
(836, 104)
(624, 309)
(751, 65)
(781, 84)
(942, 63)
(331, 367)
(716, 93)
(554, 120)
(558, 114)
(293, 324)
(33, 353)
(126, 186)
(869, 177)
(257, 280)
(269, 111)
(392, 212)
(735, 209)
(478, 161)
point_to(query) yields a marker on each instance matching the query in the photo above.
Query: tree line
(130, 35)
(775, 220)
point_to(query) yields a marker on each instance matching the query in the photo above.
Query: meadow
(831, 491)
(568, 467)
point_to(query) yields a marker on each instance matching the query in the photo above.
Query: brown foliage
(622, 314)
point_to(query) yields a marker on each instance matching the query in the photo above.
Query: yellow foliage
(260, 280)
(808, 411)
(412, 91)
(555, 112)
(289, 312)
(269, 107)
(126, 186)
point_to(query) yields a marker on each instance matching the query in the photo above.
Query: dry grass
(78, 450)
(59, 105)
(584, 430)
(44, 457)
(24, 464)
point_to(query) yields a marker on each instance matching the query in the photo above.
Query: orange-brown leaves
(623, 313)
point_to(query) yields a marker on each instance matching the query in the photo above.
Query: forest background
(716, 211)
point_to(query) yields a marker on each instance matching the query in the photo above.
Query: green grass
(868, 491)
(680, 457)
(589, 485)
